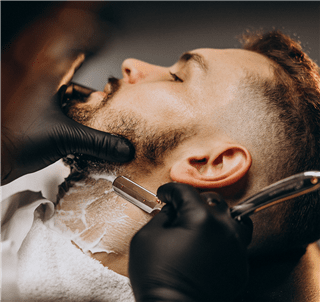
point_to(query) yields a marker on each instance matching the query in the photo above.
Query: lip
(108, 88)
(99, 93)
(94, 98)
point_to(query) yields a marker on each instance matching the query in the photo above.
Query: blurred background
(40, 38)
(159, 32)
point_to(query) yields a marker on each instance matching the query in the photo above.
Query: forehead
(225, 71)
(237, 61)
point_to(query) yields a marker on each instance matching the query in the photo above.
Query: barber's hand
(190, 251)
(38, 134)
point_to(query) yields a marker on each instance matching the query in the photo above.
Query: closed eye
(175, 77)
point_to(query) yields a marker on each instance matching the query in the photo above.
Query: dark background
(158, 32)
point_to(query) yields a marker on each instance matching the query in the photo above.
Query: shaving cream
(96, 219)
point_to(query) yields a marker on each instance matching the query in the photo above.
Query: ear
(222, 166)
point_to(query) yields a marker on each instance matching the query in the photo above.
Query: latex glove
(190, 251)
(36, 133)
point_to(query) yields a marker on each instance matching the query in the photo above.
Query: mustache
(70, 103)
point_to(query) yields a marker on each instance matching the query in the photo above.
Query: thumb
(106, 146)
(220, 210)
(77, 138)
(245, 230)
(191, 209)
(162, 219)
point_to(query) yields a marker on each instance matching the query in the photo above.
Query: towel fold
(51, 268)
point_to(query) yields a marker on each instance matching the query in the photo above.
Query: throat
(97, 221)
(89, 214)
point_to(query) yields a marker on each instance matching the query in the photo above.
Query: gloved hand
(36, 133)
(190, 251)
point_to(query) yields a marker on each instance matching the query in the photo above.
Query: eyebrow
(195, 57)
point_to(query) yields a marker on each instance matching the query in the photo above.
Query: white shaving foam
(109, 177)
(98, 223)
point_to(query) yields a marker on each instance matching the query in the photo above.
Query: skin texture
(208, 160)
(152, 95)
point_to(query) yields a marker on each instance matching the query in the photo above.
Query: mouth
(76, 93)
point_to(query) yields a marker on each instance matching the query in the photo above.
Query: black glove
(39, 133)
(190, 251)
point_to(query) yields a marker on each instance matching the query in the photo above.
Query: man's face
(157, 108)
(177, 96)
(152, 101)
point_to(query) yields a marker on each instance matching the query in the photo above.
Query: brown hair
(294, 94)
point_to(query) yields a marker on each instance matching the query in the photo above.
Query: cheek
(158, 106)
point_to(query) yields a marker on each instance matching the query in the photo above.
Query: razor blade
(76, 91)
(136, 194)
(285, 189)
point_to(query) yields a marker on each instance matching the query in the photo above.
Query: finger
(74, 67)
(190, 208)
(216, 206)
(150, 231)
(162, 219)
(78, 62)
(220, 211)
(245, 229)
(211, 198)
(60, 93)
(216, 203)
(73, 137)
(176, 193)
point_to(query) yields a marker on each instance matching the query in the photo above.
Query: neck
(96, 220)
(294, 276)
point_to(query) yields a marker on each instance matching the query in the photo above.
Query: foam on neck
(109, 177)
(95, 218)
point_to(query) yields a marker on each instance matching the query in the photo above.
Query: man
(232, 121)
(215, 120)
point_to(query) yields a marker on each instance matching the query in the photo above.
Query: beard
(151, 144)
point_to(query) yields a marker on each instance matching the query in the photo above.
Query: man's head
(232, 121)
(186, 107)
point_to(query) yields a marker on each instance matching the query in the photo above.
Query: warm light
(314, 180)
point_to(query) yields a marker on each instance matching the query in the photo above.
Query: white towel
(51, 268)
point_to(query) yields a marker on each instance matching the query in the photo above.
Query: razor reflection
(280, 191)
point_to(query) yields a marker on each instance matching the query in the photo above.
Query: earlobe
(221, 167)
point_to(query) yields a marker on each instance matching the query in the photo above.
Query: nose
(134, 71)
